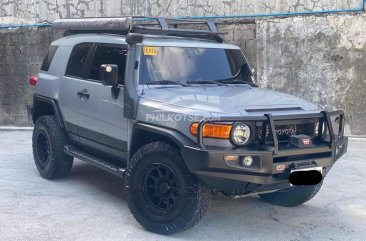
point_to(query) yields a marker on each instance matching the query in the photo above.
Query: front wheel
(163, 195)
(291, 197)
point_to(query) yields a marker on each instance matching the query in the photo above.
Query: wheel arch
(144, 133)
(46, 106)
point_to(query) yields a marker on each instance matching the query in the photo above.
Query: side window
(77, 60)
(48, 59)
(109, 55)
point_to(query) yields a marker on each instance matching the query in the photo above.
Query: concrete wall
(29, 11)
(21, 53)
(321, 59)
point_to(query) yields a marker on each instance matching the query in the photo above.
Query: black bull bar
(324, 117)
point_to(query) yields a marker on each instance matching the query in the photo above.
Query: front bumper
(271, 167)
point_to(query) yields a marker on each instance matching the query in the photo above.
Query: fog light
(231, 158)
(247, 161)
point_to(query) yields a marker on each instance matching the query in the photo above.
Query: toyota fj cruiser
(173, 110)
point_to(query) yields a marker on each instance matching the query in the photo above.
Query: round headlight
(240, 134)
(325, 132)
(317, 129)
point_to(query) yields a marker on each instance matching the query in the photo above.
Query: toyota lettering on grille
(287, 132)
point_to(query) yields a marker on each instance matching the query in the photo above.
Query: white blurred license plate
(319, 169)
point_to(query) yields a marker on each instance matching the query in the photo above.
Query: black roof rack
(143, 25)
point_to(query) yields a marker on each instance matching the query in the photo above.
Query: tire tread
(60, 164)
(202, 193)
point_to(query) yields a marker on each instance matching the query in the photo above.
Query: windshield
(178, 64)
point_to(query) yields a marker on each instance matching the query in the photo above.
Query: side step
(95, 161)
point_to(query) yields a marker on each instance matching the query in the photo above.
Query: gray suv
(174, 111)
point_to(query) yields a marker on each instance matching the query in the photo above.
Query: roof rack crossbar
(212, 26)
(163, 24)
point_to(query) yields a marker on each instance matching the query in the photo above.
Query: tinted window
(48, 59)
(189, 64)
(109, 55)
(77, 60)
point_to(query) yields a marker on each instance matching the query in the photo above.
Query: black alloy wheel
(161, 188)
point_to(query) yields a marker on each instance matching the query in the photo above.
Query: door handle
(83, 94)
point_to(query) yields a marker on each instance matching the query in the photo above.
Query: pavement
(90, 205)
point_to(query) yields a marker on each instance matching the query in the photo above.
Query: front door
(102, 125)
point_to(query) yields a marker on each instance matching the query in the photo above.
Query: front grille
(264, 133)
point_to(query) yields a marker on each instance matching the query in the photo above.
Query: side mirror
(109, 74)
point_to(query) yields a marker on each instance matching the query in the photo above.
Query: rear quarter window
(78, 60)
(49, 57)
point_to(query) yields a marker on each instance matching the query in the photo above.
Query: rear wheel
(291, 197)
(48, 143)
(163, 195)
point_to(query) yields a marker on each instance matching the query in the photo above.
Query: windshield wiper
(205, 82)
(166, 82)
(231, 80)
(234, 81)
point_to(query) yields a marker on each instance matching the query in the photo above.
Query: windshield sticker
(150, 51)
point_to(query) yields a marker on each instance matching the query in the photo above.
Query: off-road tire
(48, 143)
(291, 197)
(193, 199)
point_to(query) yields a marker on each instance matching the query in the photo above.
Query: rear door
(102, 125)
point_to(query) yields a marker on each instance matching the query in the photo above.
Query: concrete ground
(90, 205)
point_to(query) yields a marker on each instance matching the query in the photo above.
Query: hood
(232, 100)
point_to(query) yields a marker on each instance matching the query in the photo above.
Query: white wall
(31, 11)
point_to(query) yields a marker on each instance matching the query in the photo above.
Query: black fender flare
(178, 138)
(42, 99)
